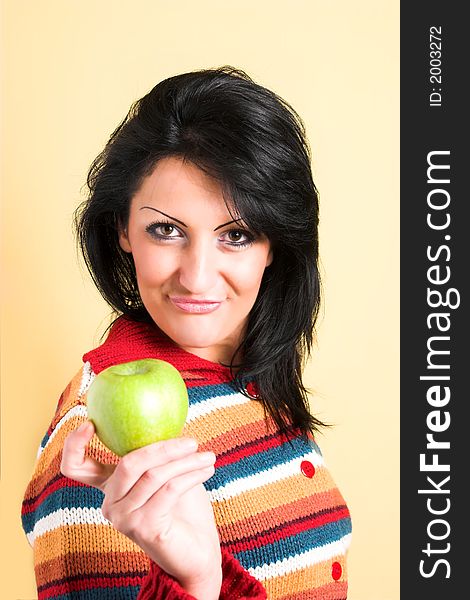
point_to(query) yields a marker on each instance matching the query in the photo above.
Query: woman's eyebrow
(184, 224)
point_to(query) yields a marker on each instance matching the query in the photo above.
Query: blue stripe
(44, 441)
(206, 392)
(295, 545)
(261, 461)
(67, 497)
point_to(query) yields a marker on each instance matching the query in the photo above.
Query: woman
(200, 231)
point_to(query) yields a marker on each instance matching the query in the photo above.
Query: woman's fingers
(157, 513)
(163, 476)
(168, 495)
(132, 466)
(76, 465)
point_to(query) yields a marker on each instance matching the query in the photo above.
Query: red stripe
(285, 531)
(88, 584)
(251, 449)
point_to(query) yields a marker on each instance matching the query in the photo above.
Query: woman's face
(198, 270)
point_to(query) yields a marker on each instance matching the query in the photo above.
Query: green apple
(137, 403)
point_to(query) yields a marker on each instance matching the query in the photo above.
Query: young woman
(200, 231)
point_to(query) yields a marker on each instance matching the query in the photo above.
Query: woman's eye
(239, 238)
(163, 230)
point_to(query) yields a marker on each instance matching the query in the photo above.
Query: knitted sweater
(283, 525)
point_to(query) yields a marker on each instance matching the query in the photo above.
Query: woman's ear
(270, 257)
(124, 240)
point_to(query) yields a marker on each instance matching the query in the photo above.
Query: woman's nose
(199, 268)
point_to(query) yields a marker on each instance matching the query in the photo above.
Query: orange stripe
(243, 435)
(223, 421)
(77, 538)
(314, 582)
(83, 563)
(338, 590)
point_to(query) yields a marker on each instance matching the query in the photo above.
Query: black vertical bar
(435, 259)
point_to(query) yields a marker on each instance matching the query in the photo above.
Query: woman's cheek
(155, 266)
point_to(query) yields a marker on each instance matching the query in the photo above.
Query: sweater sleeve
(237, 584)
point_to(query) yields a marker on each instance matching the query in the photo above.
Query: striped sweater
(283, 525)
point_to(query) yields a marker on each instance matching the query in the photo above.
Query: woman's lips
(196, 306)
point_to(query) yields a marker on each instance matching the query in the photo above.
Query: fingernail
(187, 444)
(207, 458)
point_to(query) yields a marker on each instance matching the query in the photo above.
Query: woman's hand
(155, 497)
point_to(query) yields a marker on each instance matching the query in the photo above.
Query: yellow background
(70, 71)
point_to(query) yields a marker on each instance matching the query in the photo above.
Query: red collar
(129, 340)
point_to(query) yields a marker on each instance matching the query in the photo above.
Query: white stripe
(76, 411)
(301, 561)
(87, 378)
(66, 516)
(251, 482)
(201, 409)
